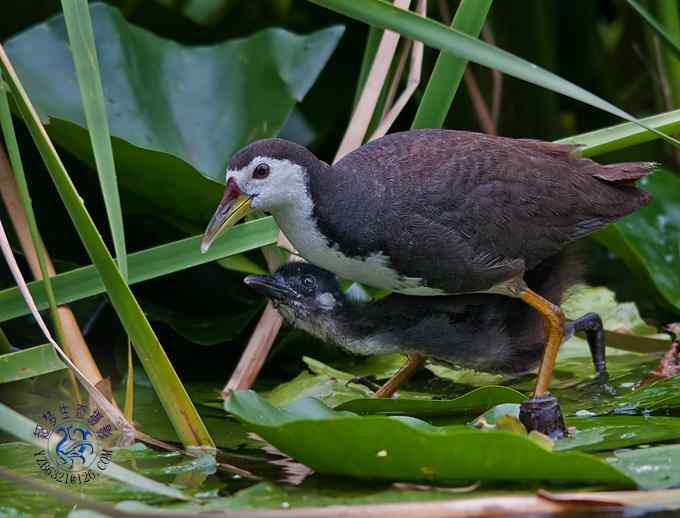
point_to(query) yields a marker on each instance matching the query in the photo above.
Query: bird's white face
(270, 183)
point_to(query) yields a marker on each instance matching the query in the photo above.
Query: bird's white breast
(298, 224)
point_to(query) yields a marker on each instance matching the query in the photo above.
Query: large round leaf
(176, 113)
(404, 448)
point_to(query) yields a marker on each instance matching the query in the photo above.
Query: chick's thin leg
(413, 364)
(591, 325)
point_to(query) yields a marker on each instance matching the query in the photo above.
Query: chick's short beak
(270, 286)
(233, 207)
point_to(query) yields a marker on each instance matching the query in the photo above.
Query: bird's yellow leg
(413, 364)
(553, 319)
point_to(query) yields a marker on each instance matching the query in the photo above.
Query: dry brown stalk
(74, 342)
(256, 351)
(412, 81)
(375, 80)
(497, 506)
(483, 115)
(262, 339)
(398, 73)
(496, 77)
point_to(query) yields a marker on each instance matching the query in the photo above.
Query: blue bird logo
(75, 451)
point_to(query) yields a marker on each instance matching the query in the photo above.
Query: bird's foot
(601, 384)
(543, 414)
(364, 381)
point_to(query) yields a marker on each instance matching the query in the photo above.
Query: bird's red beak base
(233, 207)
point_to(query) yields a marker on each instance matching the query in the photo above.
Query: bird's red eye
(261, 171)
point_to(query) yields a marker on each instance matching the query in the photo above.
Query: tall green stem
(449, 69)
(669, 16)
(5, 345)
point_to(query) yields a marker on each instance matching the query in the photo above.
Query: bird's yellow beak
(233, 207)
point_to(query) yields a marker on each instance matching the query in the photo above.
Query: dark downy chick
(480, 331)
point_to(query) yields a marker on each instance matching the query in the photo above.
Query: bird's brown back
(465, 211)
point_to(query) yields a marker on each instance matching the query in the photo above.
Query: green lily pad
(176, 113)
(464, 376)
(648, 239)
(317, 492)
(17, 500)
(662, 396)
(332, 386)
(658, 398)
(327, 491)
(473, 402)
(597, 433)
(380, 366)
(602, 433)
(652, 468)
(404, 448)
(624, 327)
(492, 415)
(330, 390)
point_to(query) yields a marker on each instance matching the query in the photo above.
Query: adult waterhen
(433, 212)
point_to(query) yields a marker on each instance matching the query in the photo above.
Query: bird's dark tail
(622, 177)
(626, 173)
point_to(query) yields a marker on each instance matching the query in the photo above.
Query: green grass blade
(669, 14)
(379, 13)
(666, 37)
(28, 363)
(5, 345)
(175, 400)
(624, 135)
(144, 265)
(84, 52)
(241, 263)
(449, 69)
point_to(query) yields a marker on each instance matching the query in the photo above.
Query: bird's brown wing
(465, 211)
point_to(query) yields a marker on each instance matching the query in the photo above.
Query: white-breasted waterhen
(434, 212)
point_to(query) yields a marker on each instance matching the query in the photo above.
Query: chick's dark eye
(308, 283)
(261, 172)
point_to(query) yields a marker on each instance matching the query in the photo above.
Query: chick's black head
(300, 288)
